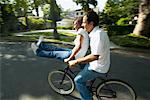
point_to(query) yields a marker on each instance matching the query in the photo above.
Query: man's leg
(82, 78)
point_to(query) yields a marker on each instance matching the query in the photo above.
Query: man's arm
(86, 59)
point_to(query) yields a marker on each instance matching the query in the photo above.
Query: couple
(97, 62)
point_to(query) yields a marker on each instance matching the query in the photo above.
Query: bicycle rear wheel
(58, 84)
(115, 90)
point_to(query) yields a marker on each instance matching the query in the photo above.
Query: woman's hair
(92, 17)
(79, 21)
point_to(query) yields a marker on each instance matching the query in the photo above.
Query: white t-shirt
(84, 45)
(99, 45)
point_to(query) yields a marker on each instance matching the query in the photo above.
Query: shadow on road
(24, 76)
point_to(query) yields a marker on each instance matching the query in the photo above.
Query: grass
(131, 40)
(65, 37)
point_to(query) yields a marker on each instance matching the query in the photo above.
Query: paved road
(24, 76)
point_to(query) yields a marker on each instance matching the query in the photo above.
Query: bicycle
(61, 81)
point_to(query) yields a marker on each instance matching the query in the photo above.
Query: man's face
(87, 26)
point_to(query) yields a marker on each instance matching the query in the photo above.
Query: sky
(69, 4)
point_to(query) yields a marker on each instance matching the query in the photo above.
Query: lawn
(131, 40)
(48, 36)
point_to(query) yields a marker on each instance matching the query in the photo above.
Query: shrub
(123, 21)
(36, 23)
(119, 30)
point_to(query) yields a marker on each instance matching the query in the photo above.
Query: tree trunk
(26, 21)
(143, 23)
(55, 16)
(55, 33)
(37, 11)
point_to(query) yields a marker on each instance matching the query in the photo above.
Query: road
(24, 76)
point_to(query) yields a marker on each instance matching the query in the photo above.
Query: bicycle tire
(115, 89)
(54, 80)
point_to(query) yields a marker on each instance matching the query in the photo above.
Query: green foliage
(67, 37)
(131, 41)
(8, 19)
(85, 3)
(22, 7)
(53, 10)
(123, 21)
(34, 23)
(36, 20)
(62, 27)
(116, 9)
(39, 34)
(119, 30)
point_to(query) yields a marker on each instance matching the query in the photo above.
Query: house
(68, 20)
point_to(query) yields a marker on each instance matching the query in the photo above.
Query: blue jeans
(81, 80)
(51, 51)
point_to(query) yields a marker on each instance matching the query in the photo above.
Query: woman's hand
(66, 60)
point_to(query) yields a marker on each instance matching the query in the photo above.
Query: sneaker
(41, 38)
(34, 47)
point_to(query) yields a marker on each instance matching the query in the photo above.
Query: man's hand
(72, 63)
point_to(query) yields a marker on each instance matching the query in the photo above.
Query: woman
(65, 54)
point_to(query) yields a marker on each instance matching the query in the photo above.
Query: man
(99, 59)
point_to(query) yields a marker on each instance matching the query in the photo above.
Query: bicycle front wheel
(115, 90)
(60, 82)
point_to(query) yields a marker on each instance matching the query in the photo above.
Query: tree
(143, 23)
(85, 3)
(116, 9)
(22, 8)
(8, 20)
(54, 15)
(36, 4)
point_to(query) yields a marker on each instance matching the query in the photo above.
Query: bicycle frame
(66, 72)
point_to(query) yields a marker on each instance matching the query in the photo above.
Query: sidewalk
(142, 53)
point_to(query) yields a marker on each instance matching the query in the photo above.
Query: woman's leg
(61, 55)
(48, 47)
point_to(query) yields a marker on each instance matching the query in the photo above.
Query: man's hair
(92, 17)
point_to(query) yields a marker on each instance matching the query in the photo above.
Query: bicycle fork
(66, 70)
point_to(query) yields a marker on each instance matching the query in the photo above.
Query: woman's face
(76, 25)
